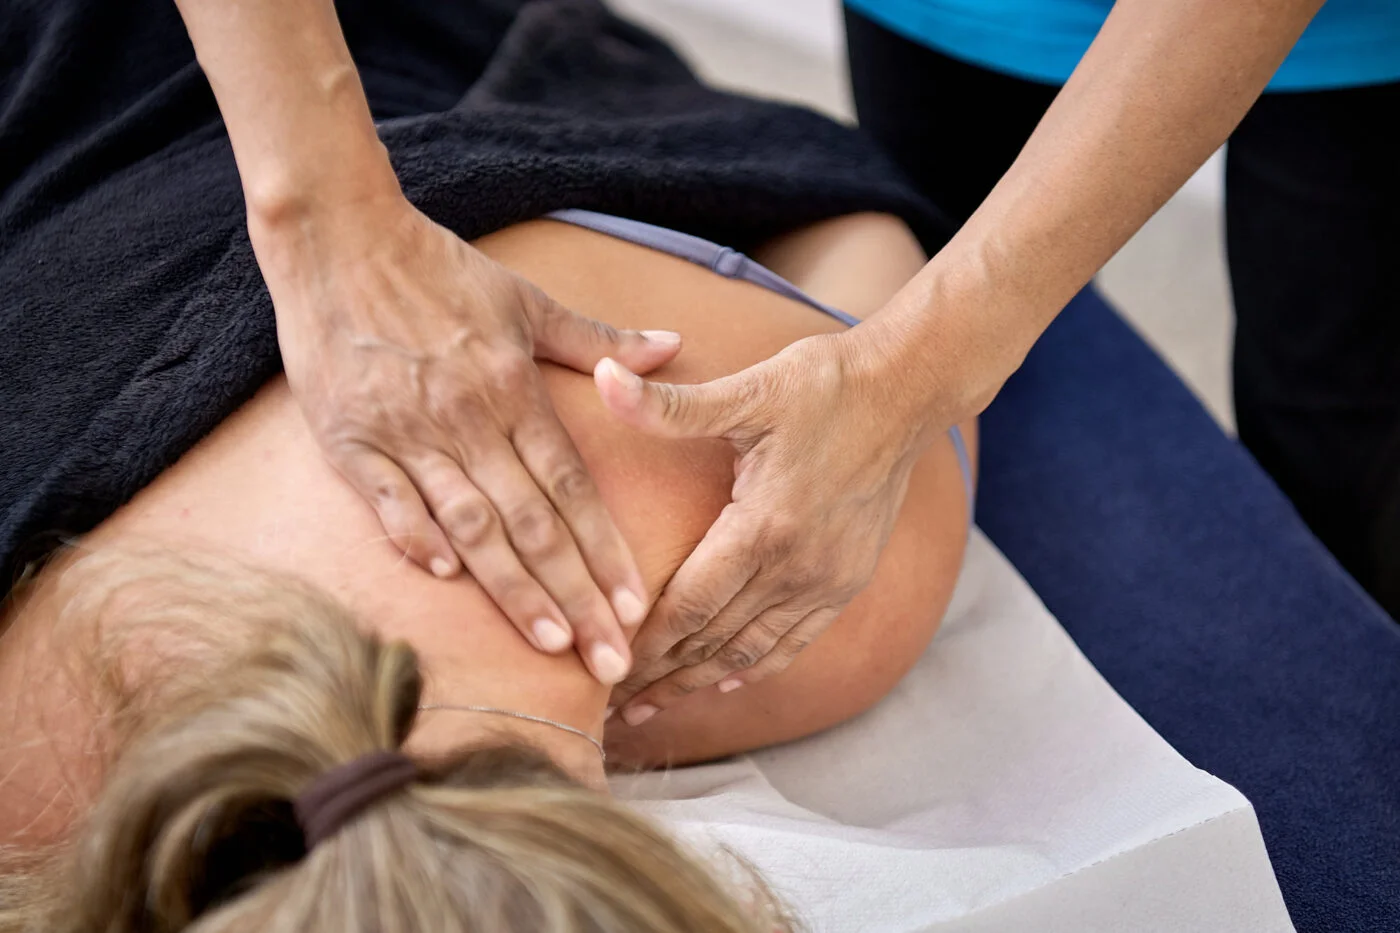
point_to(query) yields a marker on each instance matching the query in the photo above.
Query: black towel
(134, 316)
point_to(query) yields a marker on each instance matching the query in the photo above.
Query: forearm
(291, 100)
(1161, 88)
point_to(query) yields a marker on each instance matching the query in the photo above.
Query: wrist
(937, 351)
(313, 236)
(300, 219)
(311, 182)
(316, 149)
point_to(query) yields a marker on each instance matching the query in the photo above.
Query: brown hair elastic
(345, 791)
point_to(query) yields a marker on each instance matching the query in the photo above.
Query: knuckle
(629, 688)
(469, 521)
(794, 644)
(778, 538)
(740, 654)
(569, 483)
(541, 308)
(602, 331)
(642, 686)
(535, 531)
(688, 616)
(804, 578)
(645, 658)
(693, 651)
(587, 611)
(774, 626)
(345, 435)
(780, 662)
(675, 405)
(446, 404)
(518, 598)
(793, 581)
(511, 372)
(384, 491)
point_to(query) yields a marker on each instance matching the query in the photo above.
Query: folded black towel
(134, 316)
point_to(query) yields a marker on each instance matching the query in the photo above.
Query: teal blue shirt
(1349, 43)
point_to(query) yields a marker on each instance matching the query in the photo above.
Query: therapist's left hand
(824, 444)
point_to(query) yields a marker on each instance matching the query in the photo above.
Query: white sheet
(1002, 786)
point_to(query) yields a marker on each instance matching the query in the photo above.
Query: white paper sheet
(1002, 786)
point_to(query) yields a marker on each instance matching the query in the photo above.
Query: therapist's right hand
(412, 355)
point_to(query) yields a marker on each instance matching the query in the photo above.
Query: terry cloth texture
(134, 315)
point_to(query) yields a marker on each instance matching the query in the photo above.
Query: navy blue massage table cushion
(1191, 584)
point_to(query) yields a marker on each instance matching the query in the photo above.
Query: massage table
(1190, 583)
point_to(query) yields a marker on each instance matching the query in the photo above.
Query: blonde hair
(227, 692)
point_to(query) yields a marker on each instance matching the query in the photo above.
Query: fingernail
(730, 685)
(667, 338)
(608, 713)
(441, 567)
(636, 715)
(608, 665)
(550, 635)
(630, 610)
(622, 374)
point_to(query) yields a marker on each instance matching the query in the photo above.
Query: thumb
(710, 409)
(579, 342)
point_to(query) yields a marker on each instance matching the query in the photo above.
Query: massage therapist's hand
(823, 449)
(412, 356)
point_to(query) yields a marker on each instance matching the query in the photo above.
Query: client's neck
(555, 689)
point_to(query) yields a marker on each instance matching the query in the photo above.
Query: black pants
(1312, 204)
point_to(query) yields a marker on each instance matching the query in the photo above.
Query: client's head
(224, 697)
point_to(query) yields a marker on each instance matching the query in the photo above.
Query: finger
(710, 409)
(579, 342)
(404, 517)
(715, 572)
(548, 551)
(748, 604)
(754, 641)
(476, 532)
(548, 454)
(797, 639)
